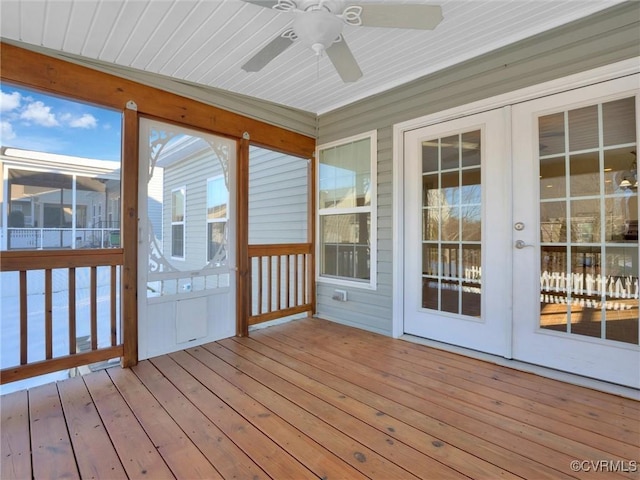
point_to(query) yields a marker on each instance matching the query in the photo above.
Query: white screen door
(457, 245)
(186, 276)
(576, 268)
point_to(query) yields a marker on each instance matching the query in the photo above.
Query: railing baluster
(72, 311)
(114, 337)
(259, 285)
(250, 294)
(304, 278)
(295, 279)
(279, 284)
(48, 314)
(269, 290)
(288, 282)
(94, 308)
(24, 331)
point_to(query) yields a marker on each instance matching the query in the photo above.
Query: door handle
(520, 244)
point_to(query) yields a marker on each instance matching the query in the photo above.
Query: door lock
(519, 226)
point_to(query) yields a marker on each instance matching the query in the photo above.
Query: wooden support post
(310, 289)
(243, 279)
(129, 234)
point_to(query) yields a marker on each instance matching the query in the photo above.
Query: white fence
(42, 238)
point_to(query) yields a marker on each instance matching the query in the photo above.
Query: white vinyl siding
(278, 197)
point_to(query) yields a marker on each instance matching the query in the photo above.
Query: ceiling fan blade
(343, 60)
(263, 3)
(421, 17)
(274, 48)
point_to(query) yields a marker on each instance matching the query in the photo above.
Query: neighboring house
(58, 201)
(494, 206)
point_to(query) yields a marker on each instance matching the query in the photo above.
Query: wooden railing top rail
(11, 261)
(20, 372)
(280, 249)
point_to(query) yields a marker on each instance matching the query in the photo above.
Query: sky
(32, 120)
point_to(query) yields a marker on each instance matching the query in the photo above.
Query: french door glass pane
(452, 224)
(589, 221)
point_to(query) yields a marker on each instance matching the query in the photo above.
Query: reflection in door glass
(589, 221)
(451, 224)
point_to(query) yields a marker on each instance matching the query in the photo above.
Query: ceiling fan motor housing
(333, 6)
(317, 29)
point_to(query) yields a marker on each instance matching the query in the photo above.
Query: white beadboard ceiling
(207, 41)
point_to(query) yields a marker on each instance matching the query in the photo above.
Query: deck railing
(281, 281)
(43, 238)
(50, 328)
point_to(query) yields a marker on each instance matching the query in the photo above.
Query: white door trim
(578, 80)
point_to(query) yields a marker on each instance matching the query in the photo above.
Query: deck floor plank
(51, 450)
(576, 442)
(367, 461)
(315, 399)
(379, 441)
(275, 461)
(99, 458)
(15, 462)
(577, 395)
(499, 378)
(224, 455)
(319, 460)
(607, 439)
(182, 456)
(476, 446)
(400, 431)
(137, 453)
(516, 436)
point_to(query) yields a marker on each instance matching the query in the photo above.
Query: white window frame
(182, 189)
(372, 209)
(206, 213)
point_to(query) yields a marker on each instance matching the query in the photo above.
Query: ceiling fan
(318, 24)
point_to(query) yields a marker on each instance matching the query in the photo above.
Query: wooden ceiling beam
(34, 70)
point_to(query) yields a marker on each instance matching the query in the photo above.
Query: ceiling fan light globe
(317, 27)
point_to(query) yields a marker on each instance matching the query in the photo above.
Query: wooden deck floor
(312, 399)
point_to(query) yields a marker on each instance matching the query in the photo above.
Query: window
(347, 210)
(178, 206)
(217, 202)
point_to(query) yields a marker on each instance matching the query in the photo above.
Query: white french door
(521, 231)
(186, 256)
(575, 201)
(457, 250)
